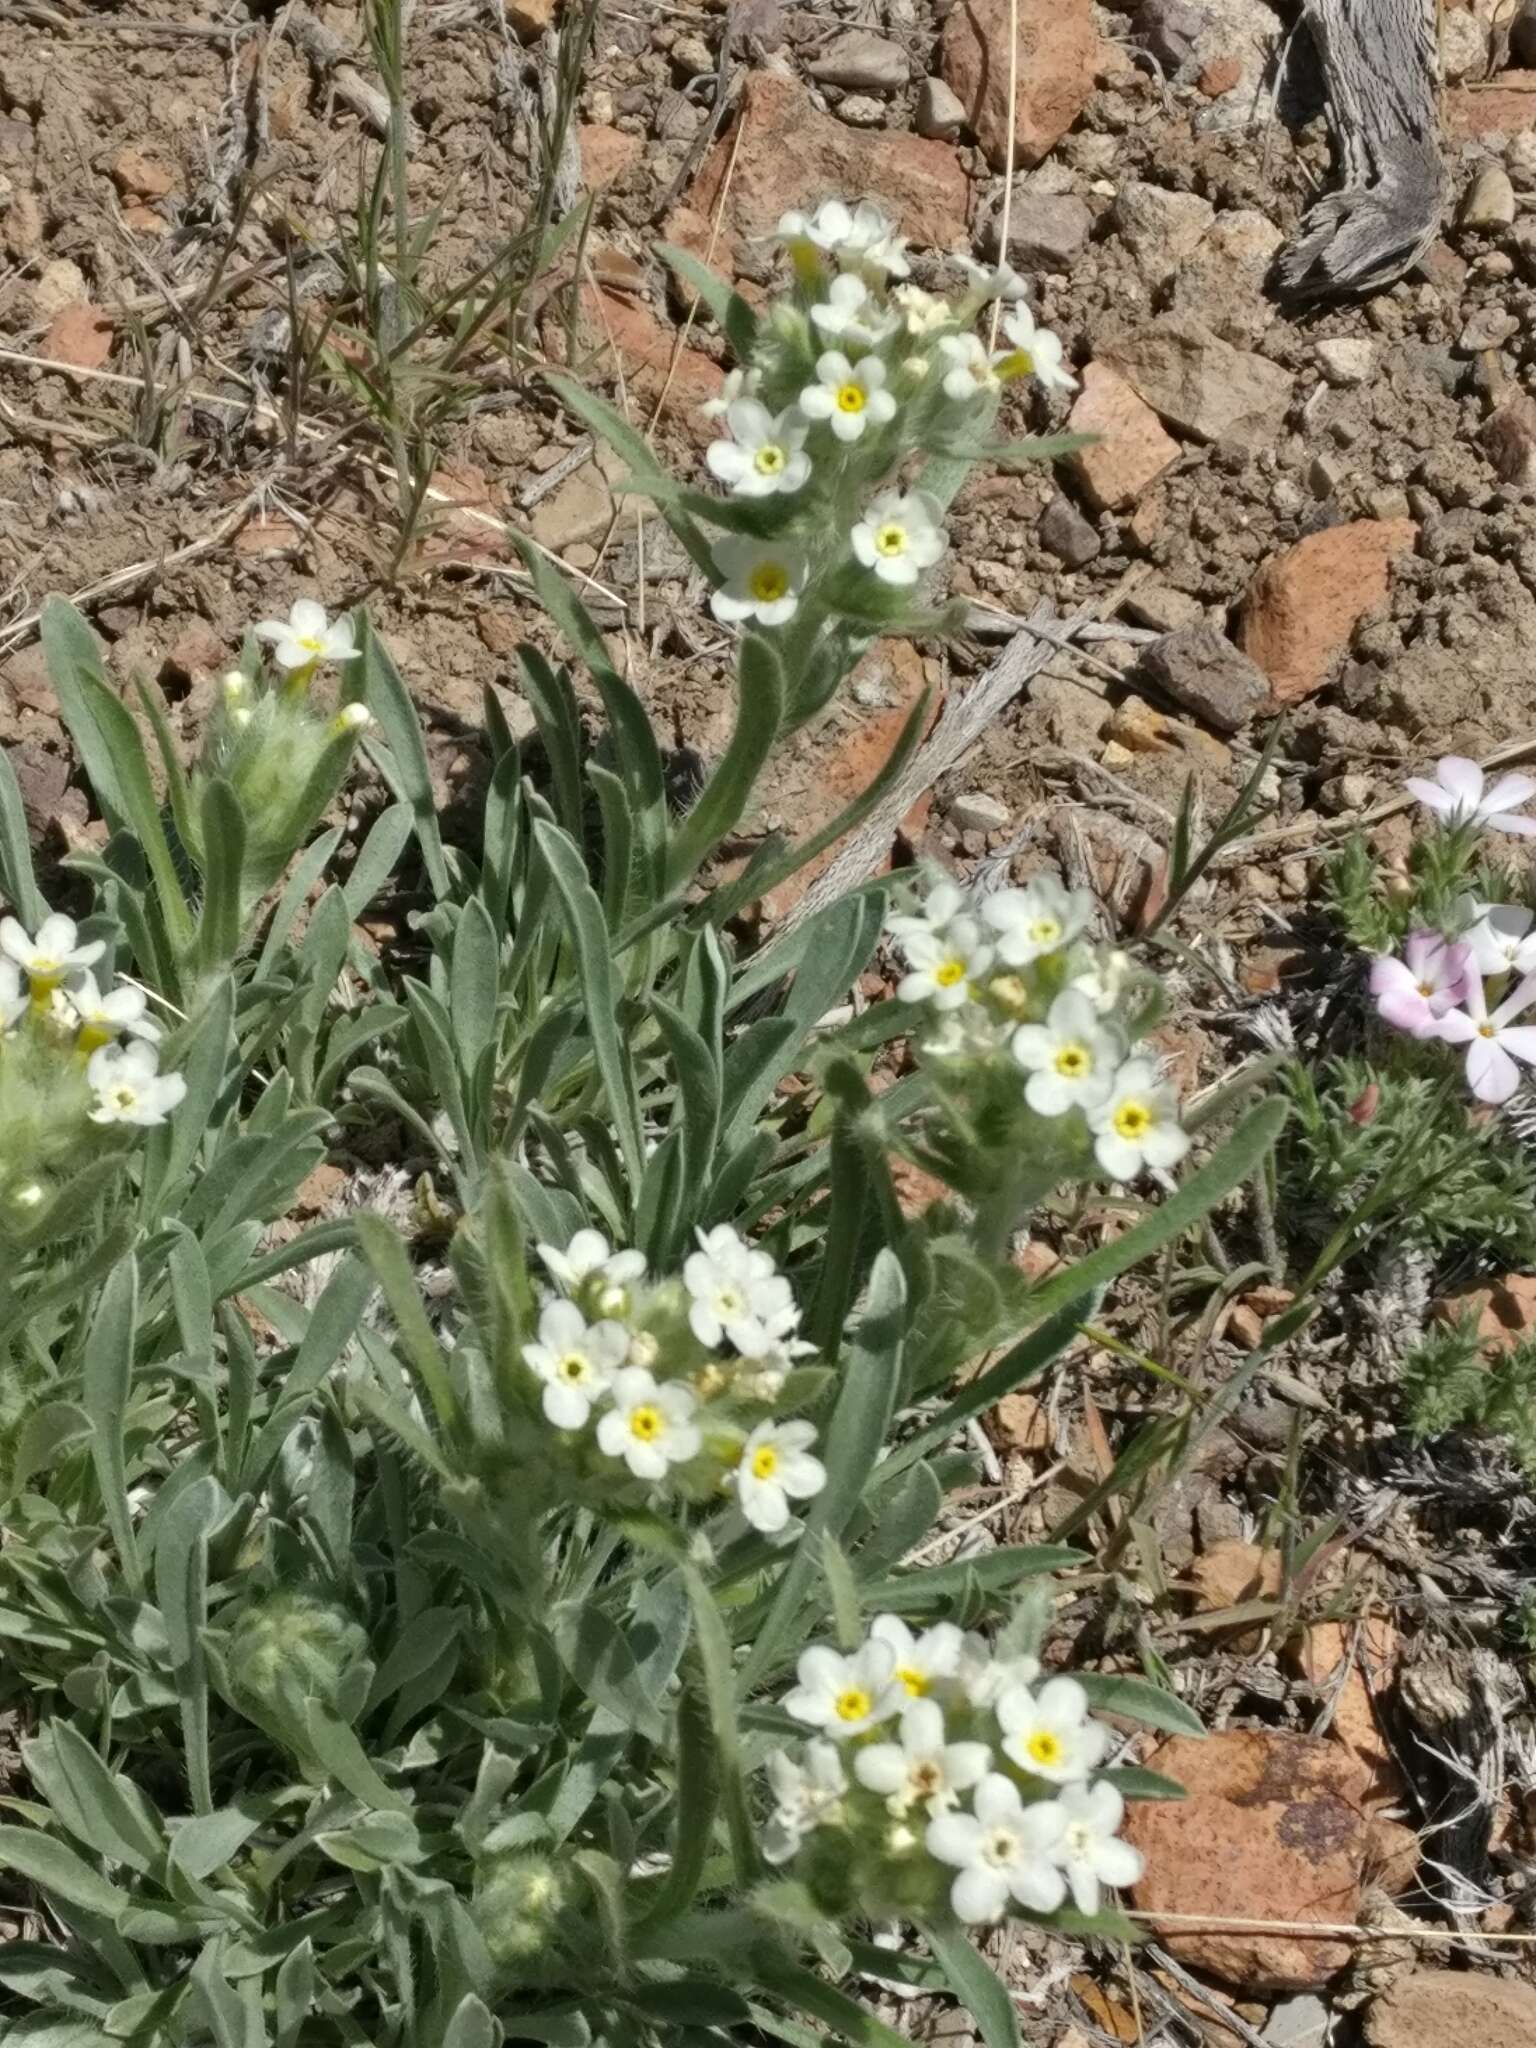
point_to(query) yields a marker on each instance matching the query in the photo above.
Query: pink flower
(1494, 1043)
(1457, 793)
(1414, 993)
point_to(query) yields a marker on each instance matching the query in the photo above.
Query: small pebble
(1489, 201)
(1346, 362)
(975, 811)
(860, 111)
(940, 114)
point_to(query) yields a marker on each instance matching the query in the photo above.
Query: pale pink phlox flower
(1458, 794)
(1414, 993)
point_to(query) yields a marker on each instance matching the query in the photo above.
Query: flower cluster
(854, 372)
(67, 1076)
(1470, 983)
(1012, 978)
(937, 1768)
(688, 1380)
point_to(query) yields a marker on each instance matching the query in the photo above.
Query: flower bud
(288, 1644)
(516, 1901)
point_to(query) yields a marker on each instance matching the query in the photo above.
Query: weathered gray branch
(1380, 66)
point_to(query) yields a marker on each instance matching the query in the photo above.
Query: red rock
(1058, 55)
(791, 154)
(80, 335)
(1509, 439)
(139, 176)
(1132, 450)
(1324, 1650)
(1502, 109)
(1304, 604)
(1505, 1312)
(1271, 1830)
(1452, 2009)
(1393, 1854)
(1220, 76)
(623, 328)
(915, 1189)
(143, 220)
(272, 535)
(606, 154)
(1230, 1575)
(198, 651)
(530, 18)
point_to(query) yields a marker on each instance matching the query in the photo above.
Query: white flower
(921, 1661)
(1494, 1041)
(805, 1797)
(1137, 1125)
(762, 1377)
(922, 1769)
(1035, 920)
(1501, 940)
(764, 455)
(937, 911)
(991, 281)
(921, 312)
(101, 1017)
(1070, 1059)
(1049, 1733)
(851, 314)
(845, 1695)
(763, 580)
(306, 636)
(1003, 1851)
(984, 1678)
(899, 535)
(775, 1468)
(850, 397)
(738, 384)
(13, 997)
(944, 965)
(1033, 352)
(1089, 1850)
(129, 1088)
(588, 1256)
(54, 954)
(649, 1426)
(576, 1360)
(859, 236)
(737, 1294)
(969, 368)
(1457, 793)
(1103, 980)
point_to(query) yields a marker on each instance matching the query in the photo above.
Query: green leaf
(389, 700)
(602, 1663)
(223, 839)
(735, 316)
(343, 1758)
(821, 2001)
(181, 1587)
(558, 717)
(106, 1372)
(59, 1872)
(472, 2025)
(106, 1813)
(206, 1843)
(387, 1255)
(1135, 1781)
(1138, 1699)
(17, 883)
(977, 1985)
(600, 993)
(204, 1070)
(720, 804)
(377, 857)
(473, 984)
(311, 865)
(991, 1570)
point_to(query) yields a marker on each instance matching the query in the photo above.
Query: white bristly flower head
(849, 397)
(589, 1255)
(1071, 1059)
(922, 1661)
(649, 1426)
(1033, 352)
(806, 1796)
(764, 455)
(922, 313)
(922, 1769)
(306, 637)
(100, 1018)
(576, 1360)
(899, 536)
(984, 1678)
(937, 911)
(1090, 1851)
(859, 237)
(775, 1468)
(1137, 1125)
(53, 955)
(1001, 1851)
(737, 1294)
(128, 1087)
(845, 1695)
(852, 315)
(968, 369)
(1036, 920)
(945, 965)
(1049, 1733)
(763, 580)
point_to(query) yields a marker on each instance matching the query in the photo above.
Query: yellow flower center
(850, 398)
(124, 1098)
(1426, 988)
(1486, 1031)
(1133, 1120)
(853, 1705)
(769, 582)
(572, 1368)
(1044, 1748)
(890, 541)
(1017, 363)
(1073, 1062)
(765, 1462)
(948, 972)
(310, 644)
(645, 1423)
(1046, 931)
(769, 460)
(915, 1681)
(92, 1037)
